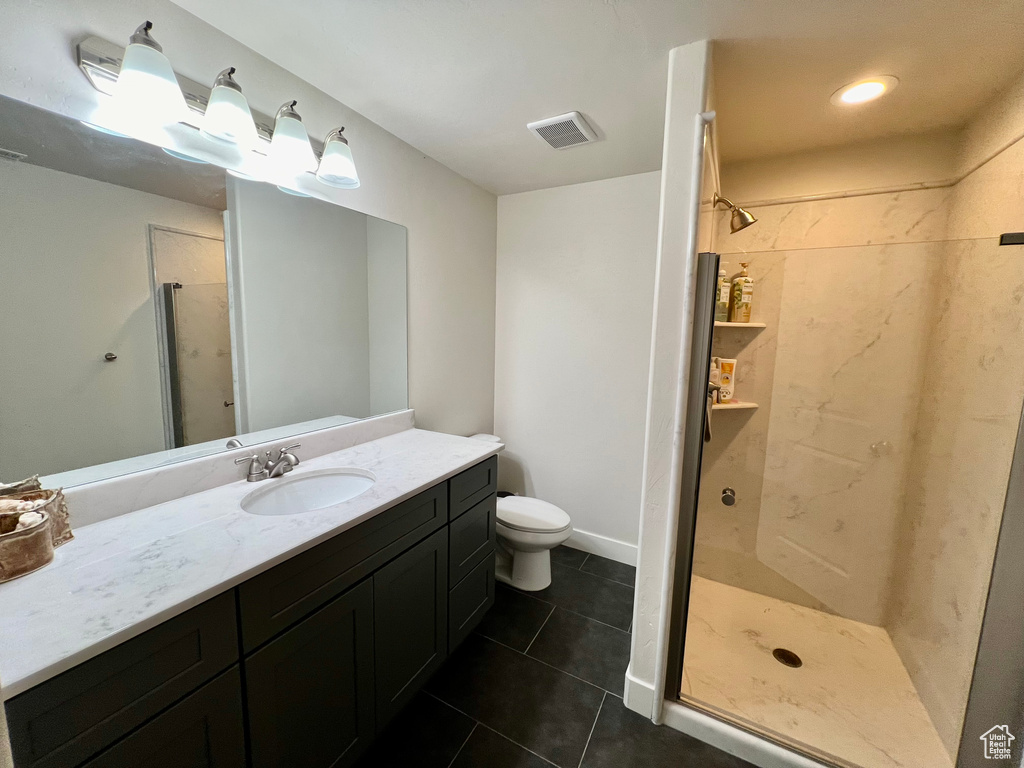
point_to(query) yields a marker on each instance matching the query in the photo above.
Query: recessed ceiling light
(864, 90)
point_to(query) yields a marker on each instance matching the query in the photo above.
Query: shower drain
(787, 657)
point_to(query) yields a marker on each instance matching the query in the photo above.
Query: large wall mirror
(153, 308)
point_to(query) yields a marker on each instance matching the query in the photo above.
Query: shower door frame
(997, 689)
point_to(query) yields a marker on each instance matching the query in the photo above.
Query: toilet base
(526, 571)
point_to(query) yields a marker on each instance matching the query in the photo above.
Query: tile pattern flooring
(540, 684)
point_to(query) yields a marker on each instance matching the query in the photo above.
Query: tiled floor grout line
(595, 575)
(527, 749)
(544, 624)
(471, 732)
(576, 613)
(541, 661)
(493, 730)
(592, 729)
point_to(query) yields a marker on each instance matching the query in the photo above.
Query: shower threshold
(825, 685)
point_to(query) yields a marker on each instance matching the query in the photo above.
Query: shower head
(741, 218)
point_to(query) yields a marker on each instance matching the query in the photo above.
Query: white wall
(74, 285)
(573, 330)
(451, 222)
(673, 315)
(387, 287)
(298, 280)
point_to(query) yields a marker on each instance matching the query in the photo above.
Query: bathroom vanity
(298, 660)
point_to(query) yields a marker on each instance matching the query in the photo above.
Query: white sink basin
(312, 491)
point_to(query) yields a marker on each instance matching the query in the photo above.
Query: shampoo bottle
(742, 296)
(722, 297)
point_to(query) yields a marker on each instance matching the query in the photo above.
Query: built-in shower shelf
(737, 406)
(722, 324)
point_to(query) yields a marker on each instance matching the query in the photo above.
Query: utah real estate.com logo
(997, 741)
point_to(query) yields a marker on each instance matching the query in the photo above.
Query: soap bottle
(722, 297)
(742, 295)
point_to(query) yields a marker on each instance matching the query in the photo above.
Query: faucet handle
(256, 469)
(287, 452)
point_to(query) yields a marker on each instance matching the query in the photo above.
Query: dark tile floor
(540, 684)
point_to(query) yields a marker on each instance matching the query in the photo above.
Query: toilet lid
(527, 514)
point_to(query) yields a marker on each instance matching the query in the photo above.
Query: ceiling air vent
(10, 154)
(564, 131)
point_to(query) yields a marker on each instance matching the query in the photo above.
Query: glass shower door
(836, 599)
(198, 346)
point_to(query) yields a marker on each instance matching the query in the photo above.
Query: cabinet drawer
(203, 731)
(273, 601)
(468, 602)
(471, 537)
(469, 488)
(68, 719)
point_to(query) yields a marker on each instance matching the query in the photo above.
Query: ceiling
(459, 79)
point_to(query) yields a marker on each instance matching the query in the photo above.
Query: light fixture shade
(147, 94)
(227, 114)
(290, 152)
(337, 168)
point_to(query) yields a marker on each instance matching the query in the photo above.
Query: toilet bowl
(528, 529)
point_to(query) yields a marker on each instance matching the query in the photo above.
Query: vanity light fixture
(143, 98)
(227, 115)
(147, 94)
(290, 152)
(864, 90)
(337, 168)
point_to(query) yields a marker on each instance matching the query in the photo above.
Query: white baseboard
(613, 549)
(729, 738)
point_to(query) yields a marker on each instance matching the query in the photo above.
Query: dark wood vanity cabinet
(410, 602)
(299, 666)
(204, 730)
(310, 692)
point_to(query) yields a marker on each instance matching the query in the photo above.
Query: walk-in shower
(847, 520)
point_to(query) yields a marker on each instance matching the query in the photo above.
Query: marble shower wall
(800, 266)
(967, 425)
(852, 338)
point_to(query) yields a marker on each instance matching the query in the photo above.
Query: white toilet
(528, 529)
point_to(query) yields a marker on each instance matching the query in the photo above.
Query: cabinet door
(410, 600)
(81, 712)
(203, 730)
(310, 691)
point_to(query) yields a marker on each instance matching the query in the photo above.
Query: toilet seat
(523, 513)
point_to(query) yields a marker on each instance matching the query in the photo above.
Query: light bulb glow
(147, 94)
(229, 119)
(290, 152)
(337, 168)
(864, 90)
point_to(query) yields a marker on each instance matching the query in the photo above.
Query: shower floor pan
(831, 686)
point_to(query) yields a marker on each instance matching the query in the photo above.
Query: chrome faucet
(256, 469)
(284, 462)
(261, 470)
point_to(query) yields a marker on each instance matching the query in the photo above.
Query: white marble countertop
(127, 574)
